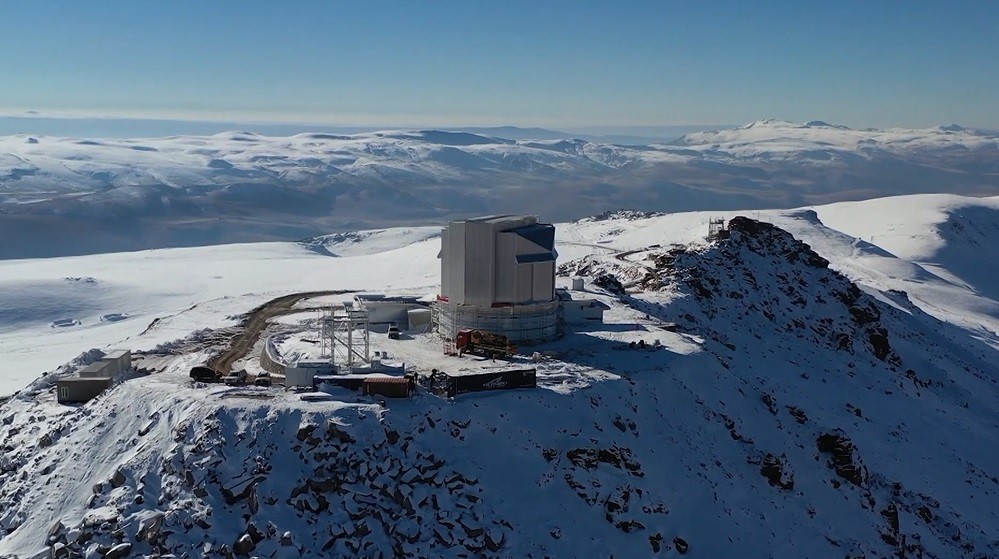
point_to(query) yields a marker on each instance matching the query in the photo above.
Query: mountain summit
(743, 398)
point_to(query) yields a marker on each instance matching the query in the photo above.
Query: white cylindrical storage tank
(577, 284)
(419, 319)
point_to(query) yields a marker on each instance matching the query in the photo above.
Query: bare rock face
(244, 545)
(761, 237)
(776, 472)
(57, 532)
(118, 479)
(59, 551)
(119, 551)
(841, 456)
(762, 272)
(610, 283)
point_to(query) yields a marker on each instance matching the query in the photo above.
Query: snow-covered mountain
(63, 196)
(812, 394)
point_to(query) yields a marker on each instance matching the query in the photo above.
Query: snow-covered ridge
(790, 410)
(768, 138)
(375, 241)
(129, 194)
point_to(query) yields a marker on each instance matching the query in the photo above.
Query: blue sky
(532, 63)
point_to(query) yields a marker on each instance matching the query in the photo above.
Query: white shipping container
(302, 373)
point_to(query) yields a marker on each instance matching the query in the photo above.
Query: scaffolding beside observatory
(344, 334)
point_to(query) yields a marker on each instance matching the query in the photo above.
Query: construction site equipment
(256, 322)
(484, 343)
(419, 319)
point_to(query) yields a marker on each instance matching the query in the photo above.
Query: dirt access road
(255, 323)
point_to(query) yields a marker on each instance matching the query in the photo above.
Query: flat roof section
(491, 218)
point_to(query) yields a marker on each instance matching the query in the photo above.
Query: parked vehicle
(484, 343)
(263, 379)
(204, 373)
(393, 332)
(235, 379)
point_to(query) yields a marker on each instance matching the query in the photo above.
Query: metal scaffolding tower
(344, 335)
(716, 229)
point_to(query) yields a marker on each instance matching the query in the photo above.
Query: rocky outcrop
(761, 277)
(776, 472)
(841, 457)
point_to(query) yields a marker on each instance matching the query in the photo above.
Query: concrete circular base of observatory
(526, 324)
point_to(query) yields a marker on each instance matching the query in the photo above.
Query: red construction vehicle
(483, 343)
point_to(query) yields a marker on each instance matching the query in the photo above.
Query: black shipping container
(498, 380)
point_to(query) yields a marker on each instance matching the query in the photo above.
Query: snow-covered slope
(788, 412)
(161, 295)
(63, 196)
(950, 235)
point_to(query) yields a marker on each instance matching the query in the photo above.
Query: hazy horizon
(552, 65)
(125, 127)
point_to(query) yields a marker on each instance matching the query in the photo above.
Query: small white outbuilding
(117, 360)
(302, 373)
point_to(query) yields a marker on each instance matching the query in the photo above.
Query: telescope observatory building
(498, 275)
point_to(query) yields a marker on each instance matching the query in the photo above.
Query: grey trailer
(77, 390)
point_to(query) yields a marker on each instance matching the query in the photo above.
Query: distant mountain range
(62, 195)
(149, 128)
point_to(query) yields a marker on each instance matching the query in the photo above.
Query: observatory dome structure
(498, 275)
